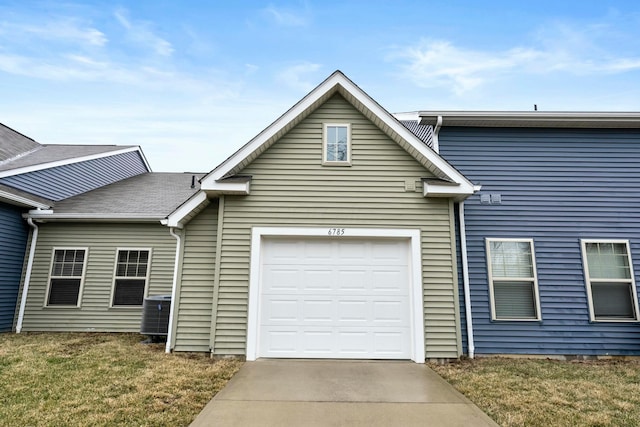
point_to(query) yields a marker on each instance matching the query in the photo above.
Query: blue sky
(192, 81)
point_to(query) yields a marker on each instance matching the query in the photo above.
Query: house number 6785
(336, 232)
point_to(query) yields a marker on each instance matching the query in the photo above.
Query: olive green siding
(291, 188)
(195, 301)
(102, 241)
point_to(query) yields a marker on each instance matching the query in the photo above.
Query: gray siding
(94, 314)
(290, 188)
(557, 187)
(13, 240)
(195, 303)
(61, 182)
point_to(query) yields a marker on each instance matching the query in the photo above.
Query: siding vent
(496, 199)
(485, 198)
(409, 185)
(491, 199)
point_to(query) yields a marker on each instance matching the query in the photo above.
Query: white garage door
(335, 298)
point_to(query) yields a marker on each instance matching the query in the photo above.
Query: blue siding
(557, 186)
(69, 180)
(13, 238)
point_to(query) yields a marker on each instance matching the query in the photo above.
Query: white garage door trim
(416, 303)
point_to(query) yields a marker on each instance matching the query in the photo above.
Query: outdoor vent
(155, 315)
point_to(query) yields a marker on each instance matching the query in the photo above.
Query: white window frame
(492, 279)
(115, 277)
(325, 142)
(51, 276)
(588, 280)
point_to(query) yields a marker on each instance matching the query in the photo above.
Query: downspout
(27, 276)
(465, 281)
(436, 132)
(174, 292)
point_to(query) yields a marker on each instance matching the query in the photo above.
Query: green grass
(80, 379)
(536, 392)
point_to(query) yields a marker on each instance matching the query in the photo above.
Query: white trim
(325, 142)
(337, 82)
(465, 281)
(49, 165)
(568, 119)
(27, 275)
(51, 216)
(416, 291)
(588, 281)
(229, 187)
(23, 200)
(82, 277)
(174, 293)
(146, 278)
(514, 279)
(176, 217)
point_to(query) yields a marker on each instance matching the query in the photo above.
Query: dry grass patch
(79, 379)
(530, 392)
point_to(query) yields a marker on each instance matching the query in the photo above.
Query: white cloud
(140, 33)
(440, 63)
(294, 76)
(286, 17)
(62, 29)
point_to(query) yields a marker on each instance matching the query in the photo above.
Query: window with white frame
(131, 277)
(337, 144)
(67, 275)
(513, 284)
(610, 281)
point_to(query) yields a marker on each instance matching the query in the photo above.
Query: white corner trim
(417, 309)
(174, 219)
(72, 160)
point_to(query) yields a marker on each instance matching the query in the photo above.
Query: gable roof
(551, 119)
(150, 196)
(51, 155)
(216, 182)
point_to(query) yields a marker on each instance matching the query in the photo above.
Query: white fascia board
(175, 218)
(335, 82)
(49, 165)
(457, 192)
(22, 201)
(50, 216)
(533, 118)
(215, 188)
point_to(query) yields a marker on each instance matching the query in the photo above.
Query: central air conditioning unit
(155, 317)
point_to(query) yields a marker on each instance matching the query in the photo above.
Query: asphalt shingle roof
(56, 152)
(151, 194)
(14, 144)
(424, 132)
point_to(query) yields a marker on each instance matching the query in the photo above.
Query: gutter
(436, 132)
(27, 277)
(465, 280)
(174, 292)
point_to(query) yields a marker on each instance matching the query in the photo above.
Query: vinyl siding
(291, 188)
(557, 187)
(195, 304)
(61, 182)
(102, 241)
(13, 240)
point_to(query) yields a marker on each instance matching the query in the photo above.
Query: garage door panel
(334, 298)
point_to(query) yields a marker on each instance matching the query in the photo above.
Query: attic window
(336, 144)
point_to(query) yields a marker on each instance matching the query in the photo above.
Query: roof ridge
(19, 156)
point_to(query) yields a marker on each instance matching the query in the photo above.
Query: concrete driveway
(272, 392)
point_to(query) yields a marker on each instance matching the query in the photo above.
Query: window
(513, 285)
(67, 274)
(131, 277)
(609, 276)
(337, 144)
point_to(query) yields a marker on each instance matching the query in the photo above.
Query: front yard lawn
(535, 392)
(79, 379)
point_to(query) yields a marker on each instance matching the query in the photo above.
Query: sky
(192, 81)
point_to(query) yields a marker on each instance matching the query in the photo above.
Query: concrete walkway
(339, 393)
